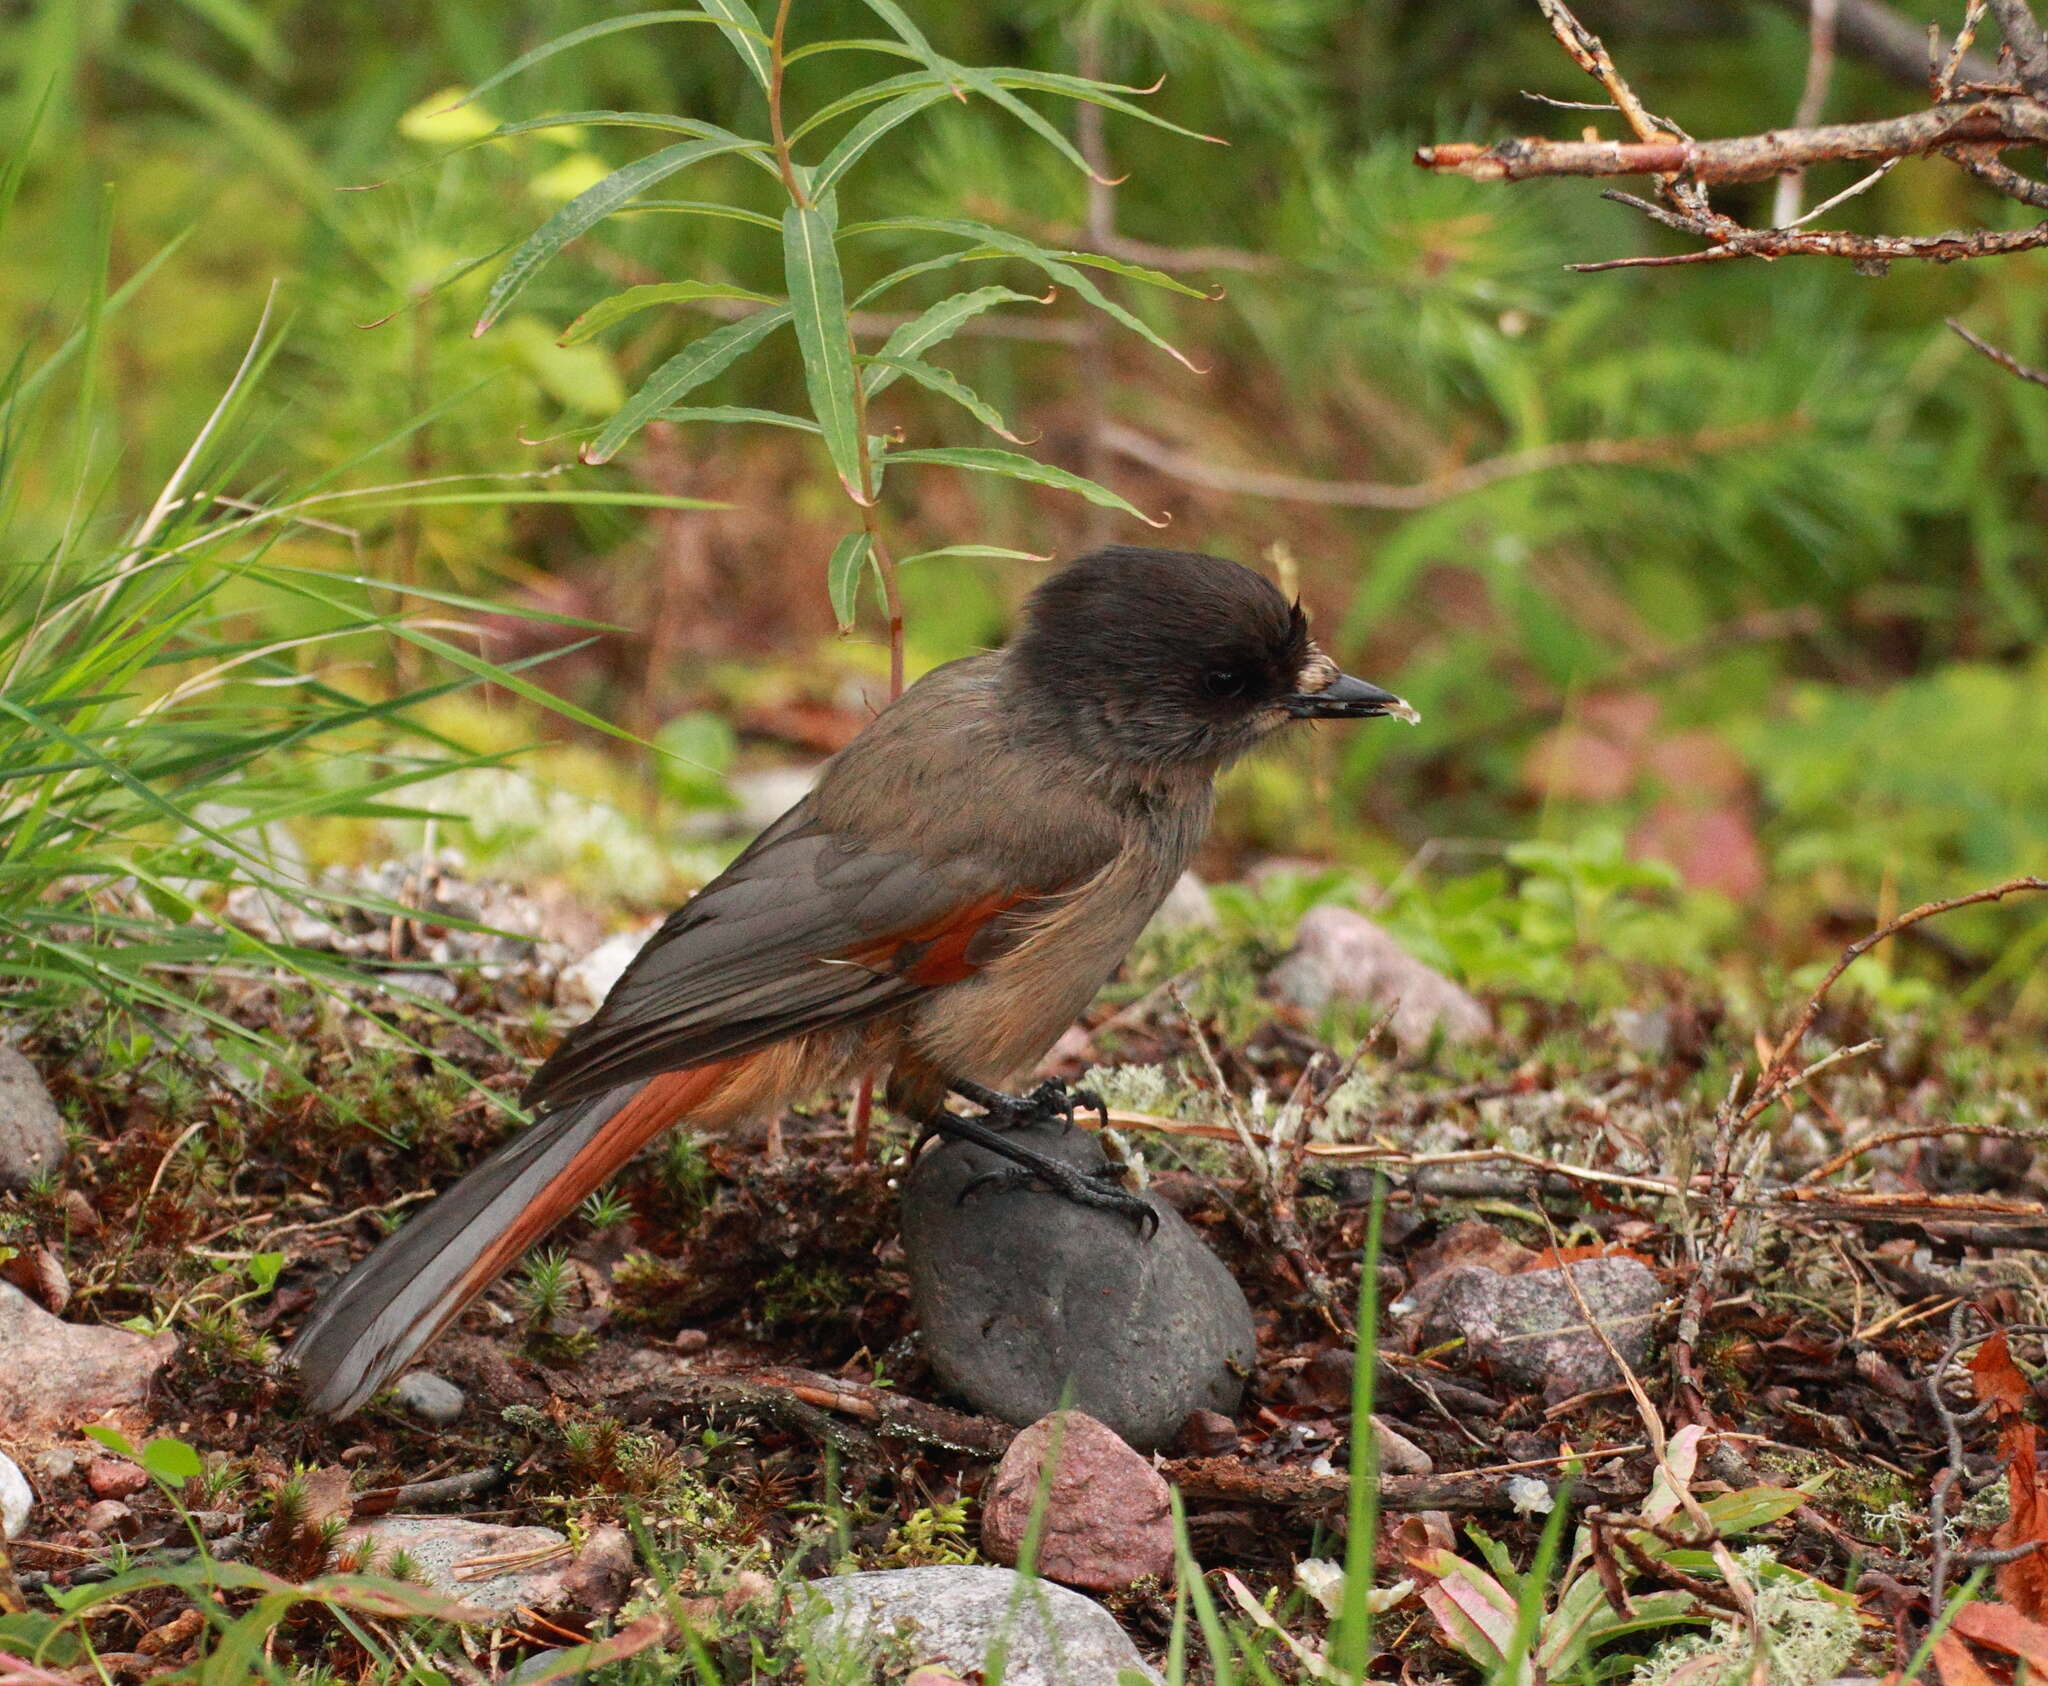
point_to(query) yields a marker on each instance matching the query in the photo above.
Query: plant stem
(885, 565)
(782, 161)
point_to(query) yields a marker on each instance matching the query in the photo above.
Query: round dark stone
(1029, 1302)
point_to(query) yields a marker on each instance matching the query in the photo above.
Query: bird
(959, 882)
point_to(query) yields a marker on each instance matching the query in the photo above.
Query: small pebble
(691, 1340)
(115, 1478)
(1104, 1520)
(110, 1516)
(31, 1128)
(1206, 1434)
(433, 1399)
(17, 1498)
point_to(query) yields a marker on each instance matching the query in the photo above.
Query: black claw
(1101, 1188)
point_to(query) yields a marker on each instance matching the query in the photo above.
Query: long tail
(367, 1329)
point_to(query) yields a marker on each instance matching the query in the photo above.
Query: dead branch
(805, 1397)
(1237, 1481)
(1471, 477)
(1778, 1068)
(1996, 122)
(1971, 121)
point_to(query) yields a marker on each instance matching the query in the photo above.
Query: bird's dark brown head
(1172, 657)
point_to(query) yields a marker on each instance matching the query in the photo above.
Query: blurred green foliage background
(1775, 677)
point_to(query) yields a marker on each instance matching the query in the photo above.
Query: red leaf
(1997, 1378)
(1956, 1666)
(2004, 1629)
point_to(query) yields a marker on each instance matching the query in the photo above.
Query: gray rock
(1529, 1329)
(17, 1498)
(1024, 1297)
(433, 1399)
(1646, 1030)
(56, 1375)
(1398, 1454)
(586, 982)
(1340, 955)
(31, 1128)
(952, 1615)
(765, 795)
(1188, 907)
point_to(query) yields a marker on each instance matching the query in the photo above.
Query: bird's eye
(1226, 681)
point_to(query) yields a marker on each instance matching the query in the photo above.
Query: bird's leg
(1051, 1100)
(1101, 1189)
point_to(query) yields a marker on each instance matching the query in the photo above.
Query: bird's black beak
(1345, 698)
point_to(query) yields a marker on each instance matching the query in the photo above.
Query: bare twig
(1781, 1056)
(2004, 359)
(1813, 95)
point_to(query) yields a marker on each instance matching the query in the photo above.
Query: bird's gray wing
(806, 931)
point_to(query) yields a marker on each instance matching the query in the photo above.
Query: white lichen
(1811, 1636)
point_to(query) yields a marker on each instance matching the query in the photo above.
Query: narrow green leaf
(847, 44)
(589, 208)
(938, 323)
(981, 82)
(633, 300)
(738, 413)
(690, 368)
(760, 152)
(850, 557)
(810, 267)
(743, 29)
(1138, 272)
(1053, 264)
(576, 38)
(1104, 94)
(934, 379)
(1015, 467)
(994, 551)
(700, 208)
(871, 128)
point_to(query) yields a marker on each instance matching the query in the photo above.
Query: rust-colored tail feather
(367, 1329)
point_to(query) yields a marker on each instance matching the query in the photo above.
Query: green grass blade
(1351, 1635)
(817, 302)
(576, 38)
(591, 207)
(1011, 465)
(689, 369)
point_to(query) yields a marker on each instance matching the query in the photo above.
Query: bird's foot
(1100, 1189)
(1051, 1102)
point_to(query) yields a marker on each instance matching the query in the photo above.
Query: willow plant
(819, 248)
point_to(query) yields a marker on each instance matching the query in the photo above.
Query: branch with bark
(1971, 122)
